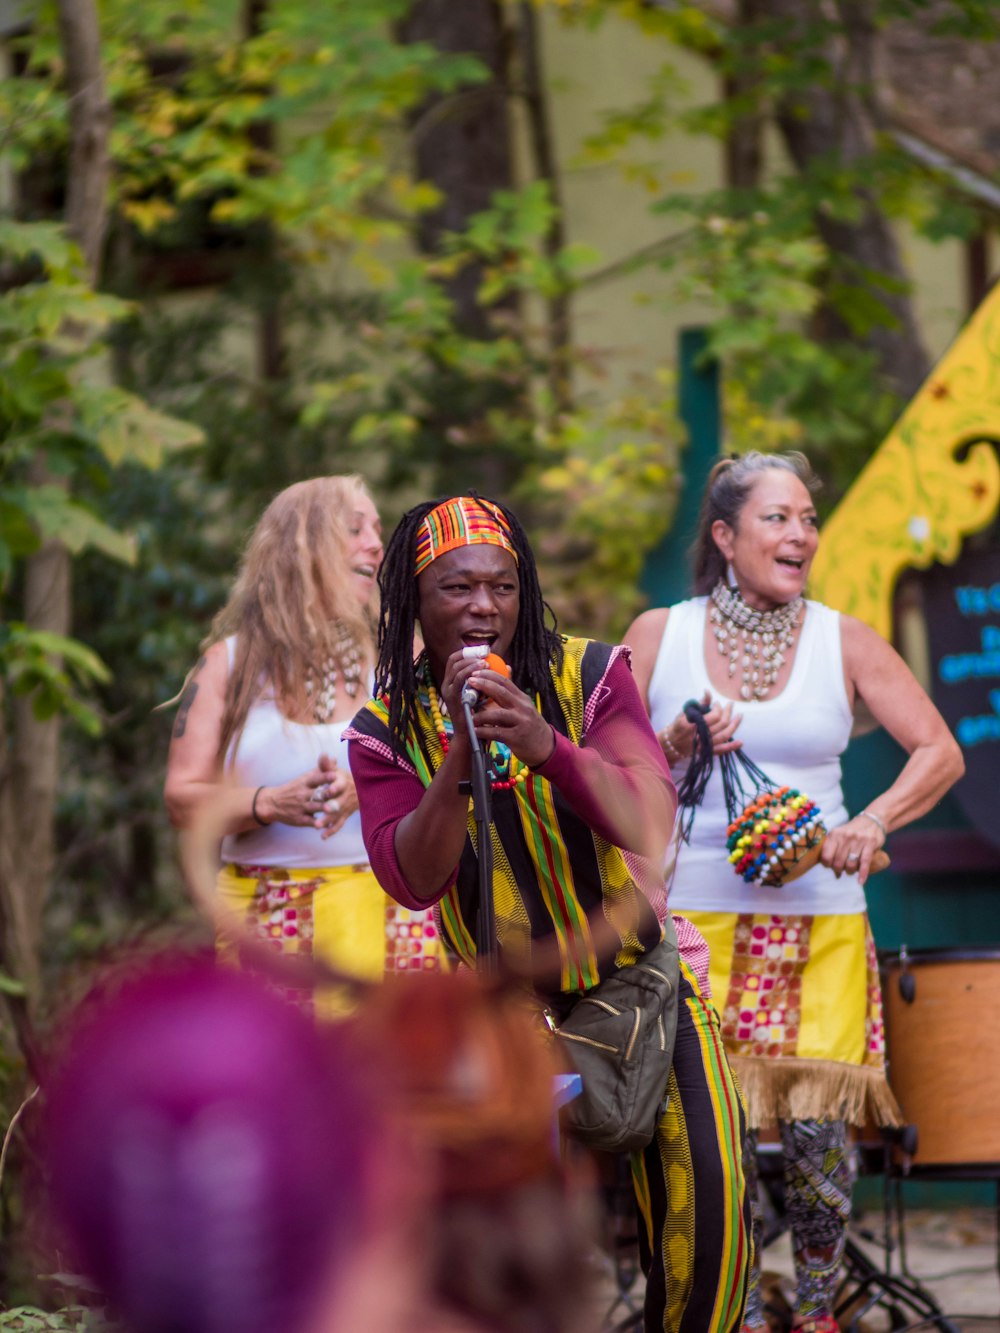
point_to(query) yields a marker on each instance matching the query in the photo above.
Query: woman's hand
(303, 802)
(677, 739)
(340, 800)
(849, 849)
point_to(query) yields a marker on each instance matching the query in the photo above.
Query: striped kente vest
(552, 875)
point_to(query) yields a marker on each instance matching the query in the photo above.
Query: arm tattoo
(187, 699)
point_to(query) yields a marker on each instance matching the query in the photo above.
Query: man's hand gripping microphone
(492, 662)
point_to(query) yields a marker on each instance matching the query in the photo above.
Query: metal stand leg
(866, 1286)
(621, 1243)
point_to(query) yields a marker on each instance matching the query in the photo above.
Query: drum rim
(959, 954)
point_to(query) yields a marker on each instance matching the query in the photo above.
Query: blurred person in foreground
(793, 967)
(217, 1162)
(258, 737)
(583, 807)
(210, 1153)
(510, 1225)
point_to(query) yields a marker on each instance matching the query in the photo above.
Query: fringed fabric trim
(793, 1089)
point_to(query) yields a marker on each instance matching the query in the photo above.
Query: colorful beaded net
(774, 834)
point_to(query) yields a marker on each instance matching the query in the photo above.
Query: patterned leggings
(818, 1207)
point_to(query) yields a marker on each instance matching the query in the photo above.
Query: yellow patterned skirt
(801, 1013)
(340, 914)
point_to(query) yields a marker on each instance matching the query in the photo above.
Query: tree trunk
(90, 130)
(33, 773)
(463, 142)
(546, 166)
(271, 346)
(743, 148)
(31, 776)
(462, 145)
(838, 117)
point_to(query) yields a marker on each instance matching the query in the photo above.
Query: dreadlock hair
(534, 650)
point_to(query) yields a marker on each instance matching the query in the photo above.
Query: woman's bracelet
(674, 755)
(870, 814)
(264, 823)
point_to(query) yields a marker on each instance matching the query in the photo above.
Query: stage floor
(952, 1253)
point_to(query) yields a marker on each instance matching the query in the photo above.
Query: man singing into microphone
(582, 810)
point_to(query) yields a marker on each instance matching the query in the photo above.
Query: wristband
(870, 814)
(674, 755)
(264, 823)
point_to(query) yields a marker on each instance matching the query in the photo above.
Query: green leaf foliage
(52, 669)
(70, 1319)
(51, 327)
(791, 319)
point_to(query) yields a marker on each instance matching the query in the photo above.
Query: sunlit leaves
(331, 76)
(506, 242)
(54, 514)
(604, 489)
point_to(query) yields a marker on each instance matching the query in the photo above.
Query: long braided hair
(534, 650)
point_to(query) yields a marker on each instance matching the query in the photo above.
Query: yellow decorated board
(935, 480)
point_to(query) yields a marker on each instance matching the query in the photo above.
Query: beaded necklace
(348, 661)
(505, 769)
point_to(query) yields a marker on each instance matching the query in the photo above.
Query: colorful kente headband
(463, 521)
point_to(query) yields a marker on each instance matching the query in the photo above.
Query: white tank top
(797, 738)
(271, 750)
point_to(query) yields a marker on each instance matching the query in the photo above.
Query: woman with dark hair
(793, 969)
(259, 737)
(582, 807)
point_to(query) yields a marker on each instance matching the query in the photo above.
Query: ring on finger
(319, 793)
(334, 805)
(854, 856)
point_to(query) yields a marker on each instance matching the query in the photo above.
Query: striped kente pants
(694, 1212)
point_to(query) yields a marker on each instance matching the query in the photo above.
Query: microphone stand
(482, 809)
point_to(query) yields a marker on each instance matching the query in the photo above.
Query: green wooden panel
(666, 577)
(924, 911)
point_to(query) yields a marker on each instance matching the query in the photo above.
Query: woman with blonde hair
(287, 664)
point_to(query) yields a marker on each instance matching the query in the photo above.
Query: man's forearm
(414, 836)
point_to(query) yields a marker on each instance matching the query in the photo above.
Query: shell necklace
(347, 659)
(754, 641)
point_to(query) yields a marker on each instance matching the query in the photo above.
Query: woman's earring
(731, 576)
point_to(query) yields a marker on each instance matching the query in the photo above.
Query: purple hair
(206, 1147)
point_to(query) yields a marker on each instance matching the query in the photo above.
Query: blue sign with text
(963, 625)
